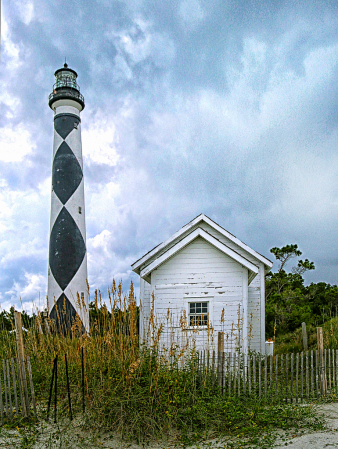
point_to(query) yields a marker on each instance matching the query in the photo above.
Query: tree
(286, 295)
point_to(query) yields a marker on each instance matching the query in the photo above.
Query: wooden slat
(235, 371)
(276, 375)
(265, 375)
(260, 375)
(23, 370)
(9, 392)
(244, 373)
(271, 364)
(239, 374)
(325, 372)
(329, 360)
(31, 384)
(14, 388)
(297, 371)
(229, 373)
(312, 375)
(249, 374)
(333, 370)
(302, 375)
(286, 377)
(1, 405)
(291, 384)
(307, 376)
(254, 373)
(317, 374)
(281, 375)
(20, 383)
(5, 389)
(336, 367)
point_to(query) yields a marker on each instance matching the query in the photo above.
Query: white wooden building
(204, 280)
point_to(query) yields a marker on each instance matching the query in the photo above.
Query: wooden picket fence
(14, 396)
(290, 377)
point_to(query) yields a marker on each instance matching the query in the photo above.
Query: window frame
(200, 299)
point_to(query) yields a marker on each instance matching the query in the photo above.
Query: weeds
(140, 392)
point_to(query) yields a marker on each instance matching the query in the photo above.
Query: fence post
(304, 332)
(18, 335)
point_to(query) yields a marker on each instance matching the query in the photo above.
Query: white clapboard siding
(254, 292)
(229, 279)
(145, 299)
(198, 272)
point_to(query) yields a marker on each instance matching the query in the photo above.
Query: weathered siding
(254, 293)
(199, 272)
(145, 298)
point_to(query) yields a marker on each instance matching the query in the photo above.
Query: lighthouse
(67, 268)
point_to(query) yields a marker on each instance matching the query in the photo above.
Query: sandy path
(317, 440)
(66, 435)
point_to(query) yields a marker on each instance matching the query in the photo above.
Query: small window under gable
(198, 313)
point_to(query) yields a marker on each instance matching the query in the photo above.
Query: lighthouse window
(80, 210)
(82, 297)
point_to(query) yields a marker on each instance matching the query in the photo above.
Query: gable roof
(188, 233)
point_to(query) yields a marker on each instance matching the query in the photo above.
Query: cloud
(191, 106)
(32, 286)
(15, 144)
(191, 13)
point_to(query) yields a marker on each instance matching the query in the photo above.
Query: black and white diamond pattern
(67, 173)
(67, 246)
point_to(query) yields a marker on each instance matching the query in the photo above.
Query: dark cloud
(225, 108)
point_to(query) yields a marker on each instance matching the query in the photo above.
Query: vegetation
(140, 392)
(289, 302)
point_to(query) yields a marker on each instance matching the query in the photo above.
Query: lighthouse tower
(67, 270)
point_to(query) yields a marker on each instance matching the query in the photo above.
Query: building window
(198, 313)
(80, 210)
(82, 296)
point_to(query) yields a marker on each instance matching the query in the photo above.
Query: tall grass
(293, 341)
(141, 391)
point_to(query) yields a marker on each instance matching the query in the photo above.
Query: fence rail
(292, 377)
(14, 396)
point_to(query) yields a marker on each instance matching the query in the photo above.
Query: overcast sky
(227, 108)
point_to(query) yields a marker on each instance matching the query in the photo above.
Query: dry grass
(140, 391)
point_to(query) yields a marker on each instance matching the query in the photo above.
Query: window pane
(192, 307)
(198, 307)
(205, 307)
